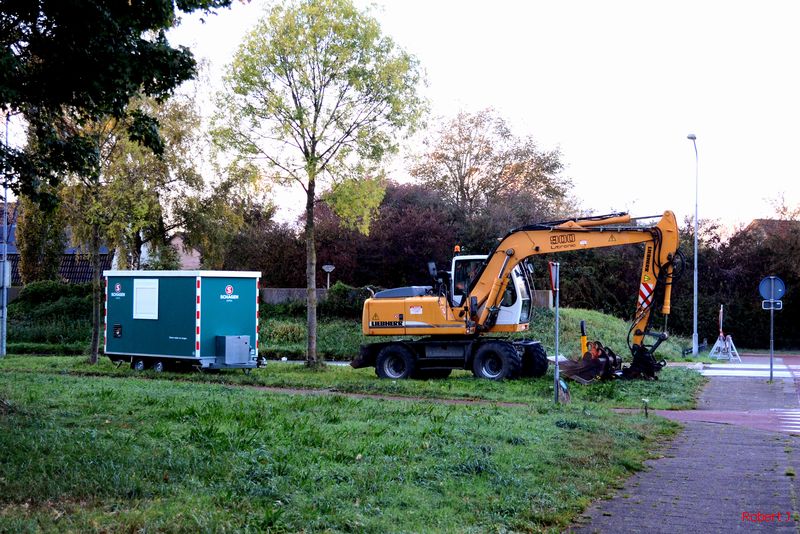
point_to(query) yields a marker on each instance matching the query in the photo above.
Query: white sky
(617, 85)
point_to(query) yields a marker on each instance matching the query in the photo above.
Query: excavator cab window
(526, 267)
(465, 271)
(510, 295)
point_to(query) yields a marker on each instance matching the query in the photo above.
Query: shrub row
(47, 348)
(342, 302)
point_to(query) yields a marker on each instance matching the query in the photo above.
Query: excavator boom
(661, 245)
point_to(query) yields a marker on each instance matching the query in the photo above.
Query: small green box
(162, 318)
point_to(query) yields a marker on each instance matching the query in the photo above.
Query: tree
(784, 210)
(213, 220)
(479, 232)
(134, 198)
(475, 162)
(40, 241)
(70, 68)
(409, 230)
(148, 194)
(264, 245)
(317, 94)
(73, 62)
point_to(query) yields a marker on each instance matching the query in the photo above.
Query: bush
(51, 312)
(52, 330)
(50, 291)
(64, 308)
(285, 332)
(344, 301)
(290, 308)
(60, 349)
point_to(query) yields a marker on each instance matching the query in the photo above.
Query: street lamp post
(328, 269)
(693, 139)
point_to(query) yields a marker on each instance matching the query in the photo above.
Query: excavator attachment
(597, 363)
(601, 363)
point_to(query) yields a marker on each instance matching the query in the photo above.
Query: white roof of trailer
(186, 274)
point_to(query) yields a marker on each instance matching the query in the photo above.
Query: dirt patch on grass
(381, 396)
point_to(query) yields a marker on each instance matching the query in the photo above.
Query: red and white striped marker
(646, 295)
(258, 290)
(105, 320)
(197, 321)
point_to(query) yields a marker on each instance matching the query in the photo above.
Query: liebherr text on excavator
(462, 318)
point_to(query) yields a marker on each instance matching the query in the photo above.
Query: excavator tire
(496, 360)
(431, 374)
(395, 362)
(534, 361)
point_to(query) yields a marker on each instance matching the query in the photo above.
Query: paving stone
(712, 475)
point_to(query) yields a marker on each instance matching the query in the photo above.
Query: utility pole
(693, 139)
(4, 268)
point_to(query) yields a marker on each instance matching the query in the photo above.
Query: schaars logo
(117, 293)
(229, 294)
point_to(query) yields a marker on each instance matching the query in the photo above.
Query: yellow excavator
(462, 319)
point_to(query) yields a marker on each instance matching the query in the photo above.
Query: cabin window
(145, 298)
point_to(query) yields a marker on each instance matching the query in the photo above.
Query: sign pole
(772, 290)
(771, 325)
(554, 273)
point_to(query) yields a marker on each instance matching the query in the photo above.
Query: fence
(277, 295)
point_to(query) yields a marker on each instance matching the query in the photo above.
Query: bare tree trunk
(312, 360)
(97, 293)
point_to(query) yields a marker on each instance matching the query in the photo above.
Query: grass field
(675, 389)
(115, 454)
(103, 448)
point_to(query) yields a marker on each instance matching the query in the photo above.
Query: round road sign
(772, 288)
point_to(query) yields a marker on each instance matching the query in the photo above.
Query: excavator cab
(464, 271)
(515, 306)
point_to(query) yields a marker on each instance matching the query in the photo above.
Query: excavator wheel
(496, 360)
(395, 362)
(534, 361)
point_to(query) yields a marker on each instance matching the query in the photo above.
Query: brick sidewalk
(712, 474)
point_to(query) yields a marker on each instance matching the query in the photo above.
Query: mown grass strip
(676, 389)
(97, 453)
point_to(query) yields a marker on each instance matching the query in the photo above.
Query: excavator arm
(660, 248)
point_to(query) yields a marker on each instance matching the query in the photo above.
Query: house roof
(68, 249)
(74, 268)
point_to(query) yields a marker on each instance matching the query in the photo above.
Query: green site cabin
(201, 319)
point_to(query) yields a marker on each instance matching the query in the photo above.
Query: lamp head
(691, 136)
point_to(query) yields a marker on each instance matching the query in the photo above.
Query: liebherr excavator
(464, 316)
